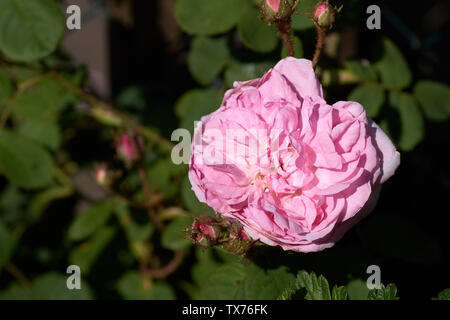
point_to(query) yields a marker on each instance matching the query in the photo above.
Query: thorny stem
(284, 27)
(121, 118)
(319, 44)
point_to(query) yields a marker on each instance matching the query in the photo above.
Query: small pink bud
(277, 10)
(127, 148)
(206, 229)
(274, 4)
(323, 15)
(101, 176)
(320, 9)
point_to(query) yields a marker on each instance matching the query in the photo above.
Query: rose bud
(205, 231)
(101, 176)
(126, 148)
(275, 10)
(323, 15)
(292, 169)
(210, 230)
(273, 4)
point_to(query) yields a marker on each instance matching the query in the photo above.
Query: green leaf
(49, 286)
(43, 101)
(16, 292)
(53, 286)
(246, 71)
(434, 97)
(255, 33)
(173, 236)
(5, 89)
(401, 238)
(298, 48)
(262, 284)
(7, 244)
(226, 256)
(243, 282)
(205, 267)
(357, 290)
(161, 176)
(195, 104)
(303, 21)
(443, 295)
(30, 30)
(24, 162)
(86, 254)
(394, 70)
(223, 283)
(207, 57)
(137, 234)
(134, 231)
(12, 200)
(412, 125)
(44, 132)
(191, 202)
(132, 287)
(363, 71)
(388, 292)
(370, 96)
(206, 17)
(92, 219)
(132, 98)
(317, 288)
(339, 293)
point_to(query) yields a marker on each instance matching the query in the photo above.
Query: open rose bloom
(293, 170)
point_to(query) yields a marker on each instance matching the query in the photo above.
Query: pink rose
(293, 170)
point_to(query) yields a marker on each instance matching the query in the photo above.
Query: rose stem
(284, 27)
(319, 44)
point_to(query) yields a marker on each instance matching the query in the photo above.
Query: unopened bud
(276, 10)
(206, 231)
(126, 148)
(323, 15)
(210, 230)
(273, 4)
(101, 176)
